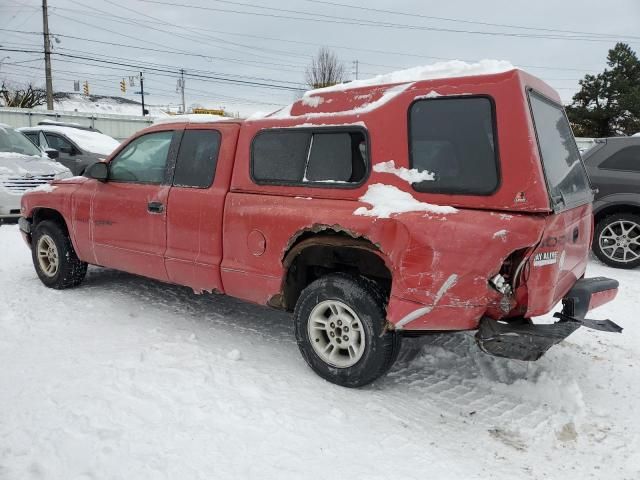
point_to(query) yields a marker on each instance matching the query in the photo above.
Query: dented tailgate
(560, 259)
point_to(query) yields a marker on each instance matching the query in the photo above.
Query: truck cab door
(129, 210)
(196, 205)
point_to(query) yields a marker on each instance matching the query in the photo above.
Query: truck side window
(310, 156)
(197, 159)
(454, 138)
(626, 159)
(143, 160)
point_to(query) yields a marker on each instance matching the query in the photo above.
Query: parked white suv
(22, 166)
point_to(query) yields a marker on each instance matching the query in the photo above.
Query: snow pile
(386, 200)
(450, 69)
(431, 94)
(258, 115)
(94, 142)
(408, 175)
(312, 101)
(115, 105)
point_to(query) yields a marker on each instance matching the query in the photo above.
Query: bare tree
(325, 69)
(28, 97)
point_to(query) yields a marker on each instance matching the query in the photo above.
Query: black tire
(381, 347)
(70, 270)
(610, 220)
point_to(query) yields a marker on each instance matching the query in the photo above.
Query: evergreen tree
(608, 104)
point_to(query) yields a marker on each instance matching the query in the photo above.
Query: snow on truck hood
(20, 164)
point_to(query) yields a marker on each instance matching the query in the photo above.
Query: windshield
(15, 142)
(566, 176)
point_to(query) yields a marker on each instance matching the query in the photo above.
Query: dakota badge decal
(545, 258)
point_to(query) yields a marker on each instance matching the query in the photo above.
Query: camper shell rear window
(455, 139)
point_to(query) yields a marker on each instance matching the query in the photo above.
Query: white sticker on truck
(545, 258)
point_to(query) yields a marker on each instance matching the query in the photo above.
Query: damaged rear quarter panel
(422, 251)
(446, 263)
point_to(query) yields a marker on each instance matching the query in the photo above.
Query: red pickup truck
(370, 211)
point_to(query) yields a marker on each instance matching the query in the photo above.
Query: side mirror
(98, 171)
(52, 153)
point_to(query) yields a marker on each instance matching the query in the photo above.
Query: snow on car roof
(438, 70)
(94, 142)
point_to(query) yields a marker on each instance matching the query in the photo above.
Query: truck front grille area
(20, 184)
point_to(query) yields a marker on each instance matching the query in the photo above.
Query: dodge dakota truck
(372, 211)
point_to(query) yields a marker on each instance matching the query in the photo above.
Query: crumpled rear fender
(442, 264)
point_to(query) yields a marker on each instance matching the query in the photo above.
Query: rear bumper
(587, 294)
(527, 341)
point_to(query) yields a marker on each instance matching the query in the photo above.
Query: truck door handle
(576, 234)
(155, 207)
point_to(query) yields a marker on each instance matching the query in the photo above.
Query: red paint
(600, 298)
(233, 236)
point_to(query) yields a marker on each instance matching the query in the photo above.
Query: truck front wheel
(340, 328)
(54, 258)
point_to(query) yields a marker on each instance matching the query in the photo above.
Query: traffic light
(123, 86)
(85, 87)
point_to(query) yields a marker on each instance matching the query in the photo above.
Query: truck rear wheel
(616, 240)
(54, 258)
(340, 329)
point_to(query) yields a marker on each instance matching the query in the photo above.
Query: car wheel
(340, 329)
(616, 240)
(54, 258)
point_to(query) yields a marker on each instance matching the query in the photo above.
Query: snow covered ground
(127, 378)
(75, 102)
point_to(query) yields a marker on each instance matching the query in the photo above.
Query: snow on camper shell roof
(397, 82)
(316, 104)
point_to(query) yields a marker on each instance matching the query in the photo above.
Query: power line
(102, 80)
(181, 52)
(472, 22)
(323, 18)
(101, 42)
(249, 49)
(343, 47)
(173, 72)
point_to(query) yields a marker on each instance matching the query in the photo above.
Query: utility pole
(355, 69)
(47, 55)
(142, 93)
(184, 109)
